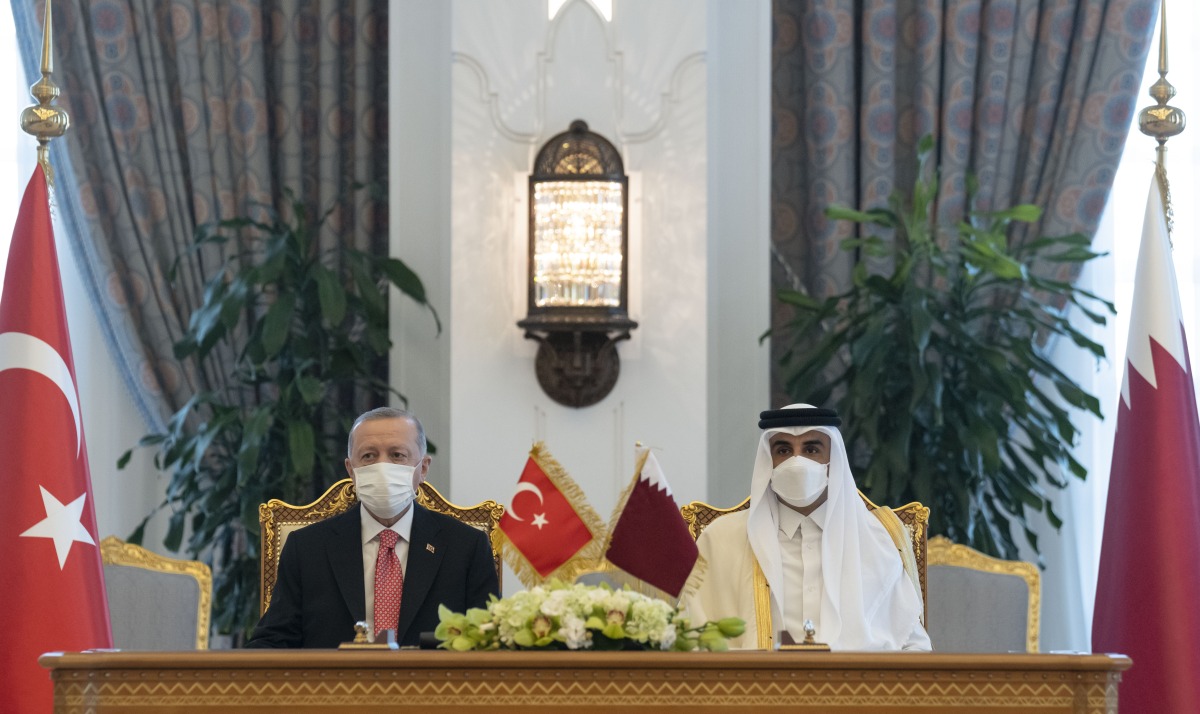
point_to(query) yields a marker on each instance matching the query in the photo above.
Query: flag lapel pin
(429, 547)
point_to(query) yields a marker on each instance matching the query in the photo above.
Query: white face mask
(385, 489)
(799, 481)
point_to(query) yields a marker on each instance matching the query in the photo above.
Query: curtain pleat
(188, 112)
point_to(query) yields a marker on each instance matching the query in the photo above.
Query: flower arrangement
(576, 617)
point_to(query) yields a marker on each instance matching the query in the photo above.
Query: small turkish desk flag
(53, 596)
(649, 539)
(549, 523)
(1148, 592)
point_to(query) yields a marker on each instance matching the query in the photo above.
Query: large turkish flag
(53, 594)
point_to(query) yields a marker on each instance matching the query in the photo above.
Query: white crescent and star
(512, 511)
(63, 523)
(19, 350)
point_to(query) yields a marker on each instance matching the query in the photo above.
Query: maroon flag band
(649, 539)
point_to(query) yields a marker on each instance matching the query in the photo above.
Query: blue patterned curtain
(1032, 97)
(187, 112)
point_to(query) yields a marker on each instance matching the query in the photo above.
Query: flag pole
(44, 120)
(1162, 121)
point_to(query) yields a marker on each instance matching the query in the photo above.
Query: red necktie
(389, 584)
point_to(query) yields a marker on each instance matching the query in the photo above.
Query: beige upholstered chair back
(155, 602)
(979, 603)
(914, 516)
(278, 519)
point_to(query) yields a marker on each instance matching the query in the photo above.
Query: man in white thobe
(807, 549)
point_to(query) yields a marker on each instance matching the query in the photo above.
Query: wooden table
(298, 682)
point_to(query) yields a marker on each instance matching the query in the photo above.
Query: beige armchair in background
(155, 602)
(981, 604)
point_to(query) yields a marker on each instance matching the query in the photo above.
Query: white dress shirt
(371, 529)
(800, 550)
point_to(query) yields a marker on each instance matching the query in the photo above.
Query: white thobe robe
(728, 587)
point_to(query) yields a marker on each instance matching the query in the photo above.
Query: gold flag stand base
(787, 643)
(360, 640)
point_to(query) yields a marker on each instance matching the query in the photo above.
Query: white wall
(739, 149)
(682, 89)
(419, 208)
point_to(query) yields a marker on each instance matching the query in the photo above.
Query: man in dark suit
(387, 560)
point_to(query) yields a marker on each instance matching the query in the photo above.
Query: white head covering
(868, 602)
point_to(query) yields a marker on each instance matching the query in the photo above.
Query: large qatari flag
(1148, 593)
(53, 595)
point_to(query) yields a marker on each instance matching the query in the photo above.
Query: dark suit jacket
(319, 593)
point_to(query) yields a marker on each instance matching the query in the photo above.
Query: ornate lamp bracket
(577, 363)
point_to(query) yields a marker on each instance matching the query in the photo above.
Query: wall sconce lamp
(578, 266)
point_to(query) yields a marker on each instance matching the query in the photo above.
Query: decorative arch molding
(492, 99)
(668, 98)
(615, 58)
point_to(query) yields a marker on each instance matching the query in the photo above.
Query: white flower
(667, 640)
(575, 633)
(556, 604)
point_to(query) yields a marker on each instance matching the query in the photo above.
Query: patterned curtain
(1033, 97)
(185, 112)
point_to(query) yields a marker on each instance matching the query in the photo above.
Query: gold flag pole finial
(1162, 121)
(44, 120)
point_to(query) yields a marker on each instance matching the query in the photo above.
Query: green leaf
(331, 295)
(799, 299)
(311, 389)
(300, 444)
(124, 460)
(400, 275)
(877, 216)
(256, 426)
(139, 534)
(277, 324)
(403, 277)
(1025, 213)
(175, 531)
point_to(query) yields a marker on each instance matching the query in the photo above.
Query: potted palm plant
(938, 362)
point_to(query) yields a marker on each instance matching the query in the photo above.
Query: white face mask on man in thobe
(799, 481)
